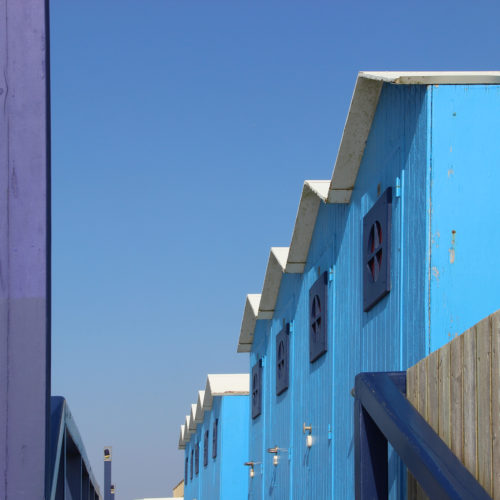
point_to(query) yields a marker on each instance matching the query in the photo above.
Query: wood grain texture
(444, 418)
(456, 396)
(470, 406)
(433, 403)
(483, 397)
(495, 402)
(457, 390)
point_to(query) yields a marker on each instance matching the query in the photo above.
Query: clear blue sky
(182, 133)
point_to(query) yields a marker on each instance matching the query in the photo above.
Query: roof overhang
(234, 384)
(192, 421)
(339, 188)
(362, 110)
(248, 322)
(182, 444)
(199, 407)
(272, 281)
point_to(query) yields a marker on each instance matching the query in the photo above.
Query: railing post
(370, 457)
(24, 250)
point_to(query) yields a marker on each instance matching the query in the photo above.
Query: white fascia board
(434, 77)
(199, 408)
(313, 193)
(362, 110)
(248, 322)
(187, 432)
(192, 422)
(182, 444)
(272, 281)
(233, 384)
(352, 146)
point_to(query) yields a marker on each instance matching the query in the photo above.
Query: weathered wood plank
(469, 398)
(483, 396)
(412, 386)
(433, 403)
(422, 387)
(495, 401)
(444, 394)
(456, 396)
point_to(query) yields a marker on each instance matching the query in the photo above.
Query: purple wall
(24, 248)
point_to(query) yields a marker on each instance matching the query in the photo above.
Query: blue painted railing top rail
(383, 414)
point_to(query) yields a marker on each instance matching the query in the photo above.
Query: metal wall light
(252, 467)
(308, 429)
(274, 452)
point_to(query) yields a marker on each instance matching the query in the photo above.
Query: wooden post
(24, 249)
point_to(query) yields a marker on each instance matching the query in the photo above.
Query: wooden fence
(457, 390)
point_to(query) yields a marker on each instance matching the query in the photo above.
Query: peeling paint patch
(435, 272)
(450, 172)
(452, 248)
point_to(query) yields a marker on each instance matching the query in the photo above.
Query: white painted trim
(187, 432)
(313, 193)
(234, 384)
(272, 281)
(352, 146)
(248, 322)
(192, 422)
(182, 444)
(199, 408)
(434, 77)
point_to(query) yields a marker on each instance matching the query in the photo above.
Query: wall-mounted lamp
(274, 452)
(308, 429)
(252, 470)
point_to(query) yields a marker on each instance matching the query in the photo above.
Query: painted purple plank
(24, 248)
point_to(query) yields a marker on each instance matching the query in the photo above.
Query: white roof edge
(272, 281)
(248, 322)
(227, 384)
(362, 110)
(313, 193)
(192, 423)
(434, 77)
(199, 407)
(182, 443)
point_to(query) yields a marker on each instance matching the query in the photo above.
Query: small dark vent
(214, 438)
(257, 389)
(282, 359)
(197, 459)
(377, 251)
(205, 449)
(318, 318)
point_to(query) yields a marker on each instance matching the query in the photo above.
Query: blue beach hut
(389, 259)
(214, 438)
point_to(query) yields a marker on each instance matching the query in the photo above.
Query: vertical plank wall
(457, 390)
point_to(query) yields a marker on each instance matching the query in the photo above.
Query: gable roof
(234, 384)
(339, 188)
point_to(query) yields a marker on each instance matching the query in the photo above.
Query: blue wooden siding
(465, 275)
(436, 147)
(258, 426)
(390, 336)
(382, 339)
(224, 477)
(233, 440)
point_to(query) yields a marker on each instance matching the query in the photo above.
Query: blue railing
(382, 414)
(70, 472)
